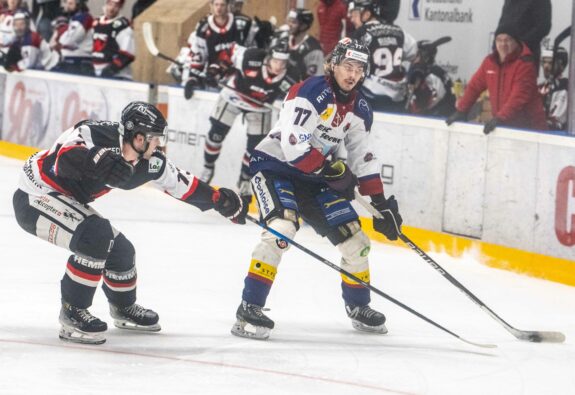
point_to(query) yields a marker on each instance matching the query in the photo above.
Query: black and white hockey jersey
(390, 47)
(61, 168)
(306, 57)
(252, 78)
(213, 44)
(113, 46)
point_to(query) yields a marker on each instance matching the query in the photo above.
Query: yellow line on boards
(493, 255)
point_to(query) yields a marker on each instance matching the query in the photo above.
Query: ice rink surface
(191, 267)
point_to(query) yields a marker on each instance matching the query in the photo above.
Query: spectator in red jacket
(331, 15)
(510, 76)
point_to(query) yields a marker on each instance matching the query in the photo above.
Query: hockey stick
(366, 285)
(532, 336)
(151, 45)
(247, 97)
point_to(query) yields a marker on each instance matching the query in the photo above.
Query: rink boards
(509, 196)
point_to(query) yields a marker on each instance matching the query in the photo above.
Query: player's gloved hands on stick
(390, 224)
(230, 205)
(103, 164)
(339, 177)
(213, 75)
(491, 125)
(456, 116)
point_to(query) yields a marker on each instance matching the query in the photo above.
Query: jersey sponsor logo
(71, 216)
(327, 113)
(324, 128)
(154, 165)
(337, 120)
(323, 94)
(329, 204)
(282, 244)
(329, 138)
(264, 198)
(363, 106)
(223, 46)
(368, 157)
(89, 263)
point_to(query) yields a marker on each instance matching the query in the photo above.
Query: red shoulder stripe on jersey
(191, 190)
(310, 161)
(370, 185)
(47, 179)
(294, 90)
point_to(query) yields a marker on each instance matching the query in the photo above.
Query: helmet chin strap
(139, 152)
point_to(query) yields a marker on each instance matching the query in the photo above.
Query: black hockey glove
(491, 125)
(213, 75)
(390, 224)
(109, 71)
(191, 85)
(456, 116)
(110, 168)
(230, 205)
(339, 177)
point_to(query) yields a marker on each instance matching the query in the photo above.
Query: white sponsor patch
(351, 54)
(155, 164)
(263, 195)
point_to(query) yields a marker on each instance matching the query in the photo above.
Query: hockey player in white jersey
(52, 203)
(296, 174)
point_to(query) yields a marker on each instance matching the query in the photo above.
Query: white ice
(191, 267)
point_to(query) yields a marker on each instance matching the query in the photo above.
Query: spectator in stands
(73, 38)
(6, 28)
(554, 90)
(44, 12)
(331, 15)
(113, 46)
(28, 49)
(140, 6)
(509, 74)
(530, 19)
(429, 86)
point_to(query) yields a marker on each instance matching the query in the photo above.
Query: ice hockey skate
(252, 322)
(135, 317)
(80, 326)
(207, 174)
(366, 319)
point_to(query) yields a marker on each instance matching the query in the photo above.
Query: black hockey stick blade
(441, 41)
(532, 336)
(363, 283)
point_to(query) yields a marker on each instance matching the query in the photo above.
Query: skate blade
(249, 331)
(380, 329)
(123, 324)
(74, 335)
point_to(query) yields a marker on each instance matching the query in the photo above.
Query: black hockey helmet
(302, 16)
(348, 48)
(140, 117)
(373, 6)
(279, 48)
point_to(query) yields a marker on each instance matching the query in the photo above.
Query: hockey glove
(213, 75)
(339, 177)
(230, 205)
(491, 125)
(110, 168)
(390, 224)
(109, 71)
(190, 86)
(456, 116)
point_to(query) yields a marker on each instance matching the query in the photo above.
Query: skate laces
(364, 311)
(135, 310)
(85, 315)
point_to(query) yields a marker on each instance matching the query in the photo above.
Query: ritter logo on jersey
(415, 10)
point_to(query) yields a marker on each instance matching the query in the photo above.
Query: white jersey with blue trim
(312, 126)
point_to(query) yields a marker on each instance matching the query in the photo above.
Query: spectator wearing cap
(554, 89)
(113, 46)
(531, 21)
(509, 75)
(332, 16)
(28, 49)
(73, 38)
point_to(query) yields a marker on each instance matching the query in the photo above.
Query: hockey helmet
(426, 51)
(351, 49)
(373, 6)
(21, 29)
(143, 118)
(302, 16)
(279, 48)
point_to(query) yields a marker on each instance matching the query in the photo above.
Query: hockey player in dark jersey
(113, 46)
(391, 48)
(207, 58)
(297, 173)
(429, 86)
(306, 54)
(52, 203)
(259, 78)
